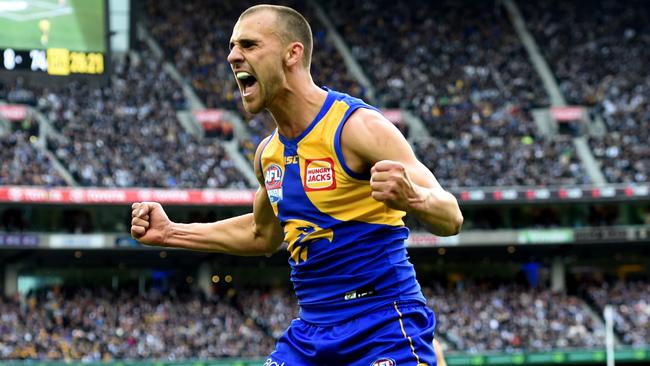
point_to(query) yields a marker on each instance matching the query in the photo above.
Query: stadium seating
(80, 324)
(465, 75)
(21, 163)
(128, 135)
(511, 160)
(513, 318)
(463, 70)
(272, 308)
(458, 66)
(631, 308)
(597, 54)
(83, 324)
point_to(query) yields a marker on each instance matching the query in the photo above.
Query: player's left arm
(397, 177)
(440, 356)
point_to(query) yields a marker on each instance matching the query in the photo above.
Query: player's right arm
(257, 233)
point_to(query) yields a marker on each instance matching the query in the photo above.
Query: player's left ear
(294, 53)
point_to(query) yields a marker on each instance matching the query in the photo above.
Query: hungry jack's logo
(319, 175)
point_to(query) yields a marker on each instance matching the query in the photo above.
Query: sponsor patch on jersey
(273, 182)
(319, 175)
(360, 292)
(384, 362)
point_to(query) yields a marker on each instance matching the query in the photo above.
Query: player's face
(256, 60)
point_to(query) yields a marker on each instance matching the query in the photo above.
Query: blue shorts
(400, 334)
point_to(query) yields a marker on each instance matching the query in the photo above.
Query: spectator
(97, 325)
(463, 70)
(631, 307)
(128, 135)
(73, 324)
(596, 52)
(512, 318)
(21, 163)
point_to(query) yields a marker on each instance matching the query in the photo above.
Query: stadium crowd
(22, 163)
(468, 78)
(127, 134)
(465, 75)
(511, 161)
(462, 69)
(273, 309)
(596, 53)
(632, 308)
(512, 318)
(98, 325)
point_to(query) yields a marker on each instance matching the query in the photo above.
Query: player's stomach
(340, 280)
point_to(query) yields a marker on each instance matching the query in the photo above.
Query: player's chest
(298, 174)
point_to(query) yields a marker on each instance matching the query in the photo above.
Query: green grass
(77, 25)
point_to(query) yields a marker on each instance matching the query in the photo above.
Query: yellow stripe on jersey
(350, 198)
(273, 153)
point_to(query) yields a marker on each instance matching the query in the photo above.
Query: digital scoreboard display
(55, 37)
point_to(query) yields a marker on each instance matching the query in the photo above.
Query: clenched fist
(391, 184)
(149, 223)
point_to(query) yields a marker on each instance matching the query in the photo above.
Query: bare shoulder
(367, 123)
(370, 136)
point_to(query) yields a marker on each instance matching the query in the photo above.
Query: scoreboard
(54, 37)
(53, 61)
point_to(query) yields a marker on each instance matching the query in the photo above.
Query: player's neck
(297, 107)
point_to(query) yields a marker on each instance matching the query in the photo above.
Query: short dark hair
(292, 26)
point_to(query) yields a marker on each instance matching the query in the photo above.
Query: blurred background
(534, 114)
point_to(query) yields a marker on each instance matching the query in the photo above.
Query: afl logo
(273, 177)
(273, 183)
(384, 362)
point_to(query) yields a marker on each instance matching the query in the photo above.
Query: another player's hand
(391, 184)
(149, 223)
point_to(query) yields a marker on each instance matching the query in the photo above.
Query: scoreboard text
(53, 61)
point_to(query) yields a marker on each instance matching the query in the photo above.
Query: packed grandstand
(462, 70)
(103, 325)
(466, 76)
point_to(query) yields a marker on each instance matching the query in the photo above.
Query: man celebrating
(336, 179)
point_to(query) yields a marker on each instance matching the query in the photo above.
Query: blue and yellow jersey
(347, 251)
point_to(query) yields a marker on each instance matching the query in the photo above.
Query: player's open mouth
(247, 82)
